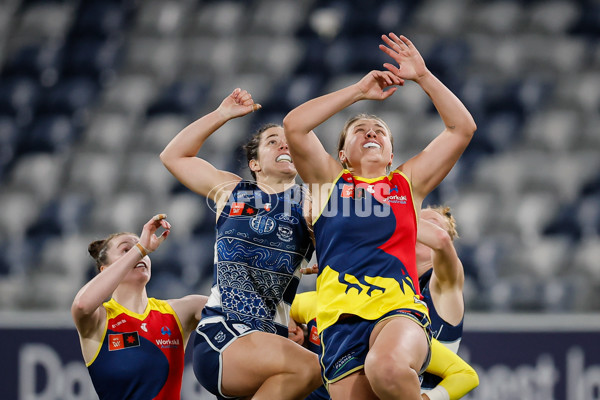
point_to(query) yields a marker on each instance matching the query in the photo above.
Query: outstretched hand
(373, 85)
(237, 104)
(411, 65)
(310, 270)
(148, 238)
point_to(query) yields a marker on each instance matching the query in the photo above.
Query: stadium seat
(100, 19)
(19, 96)
(9, 133)
(129, 93)
(161, 18)
(181, 97)
(20, 209)
(107, 132)
(158, 130)
(93, 173)
(144, 173)
(71, 96)
(44, 21)
(38, 174)
(51, 133)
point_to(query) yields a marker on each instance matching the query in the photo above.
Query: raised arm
(447, 281)
(458, 377)
(189, 312)
(430, 167)
(311, 159)
(446, 265)
(86, 309)
(180, 154)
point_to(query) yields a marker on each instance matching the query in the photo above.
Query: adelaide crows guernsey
(141, 355)
(365, 243)
(262, 241)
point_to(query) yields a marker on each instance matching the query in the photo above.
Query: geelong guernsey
(262, 241)
(365, 243)
(141, 355)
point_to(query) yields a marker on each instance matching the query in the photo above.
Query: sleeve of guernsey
(304, 307)
(458, 377)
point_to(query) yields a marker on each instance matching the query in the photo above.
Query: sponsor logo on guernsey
(262, 224)
(118, 323)
(245, 195)
(314, 336)
(241, 328)
(347, 191)
(167, 343)
(241, 209)
(397, 199)
(267, 206)
(143, 327)
(290, 219)
(341, 363)
(120, 341)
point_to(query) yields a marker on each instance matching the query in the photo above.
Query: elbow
(164, 158)
(167, 159)
(470, 128)
(442, 240)
(473, 379)
(81, 308)
(290, 127)
(288, 124)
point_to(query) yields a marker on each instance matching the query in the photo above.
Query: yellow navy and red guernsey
(365, 243)
(141, 355)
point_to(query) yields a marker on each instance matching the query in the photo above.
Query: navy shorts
(345, 344)
(211, 341)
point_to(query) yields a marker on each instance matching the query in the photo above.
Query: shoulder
(188, 306)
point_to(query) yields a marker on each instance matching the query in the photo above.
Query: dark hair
(251, 147)
(350, 121)
(97, 248)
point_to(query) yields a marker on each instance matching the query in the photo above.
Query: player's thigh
(253, 358)
(354, 386)
(399, 339)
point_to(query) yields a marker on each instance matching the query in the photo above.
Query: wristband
(141, 249)
(438, 393)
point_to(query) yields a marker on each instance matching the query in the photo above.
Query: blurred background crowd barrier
(92, 90)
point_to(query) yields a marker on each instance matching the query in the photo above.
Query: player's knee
(389, 373)
(305, 366)
(311, 371)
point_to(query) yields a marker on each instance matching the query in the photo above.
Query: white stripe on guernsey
(437, 393)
